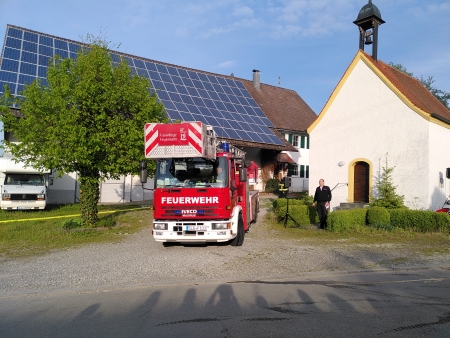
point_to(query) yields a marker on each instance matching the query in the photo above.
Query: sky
(302, 45)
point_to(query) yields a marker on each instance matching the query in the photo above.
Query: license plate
(196, 228)
(24, 208)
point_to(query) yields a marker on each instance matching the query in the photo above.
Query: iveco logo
(188, 211)
(24, 196)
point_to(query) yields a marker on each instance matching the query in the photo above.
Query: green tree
(442, 96)
(89, 119)
(387, 196)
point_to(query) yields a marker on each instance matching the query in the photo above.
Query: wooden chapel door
(361, 183)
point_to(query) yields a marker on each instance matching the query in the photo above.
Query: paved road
(402, 303)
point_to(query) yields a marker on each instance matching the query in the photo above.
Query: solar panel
(187, 95)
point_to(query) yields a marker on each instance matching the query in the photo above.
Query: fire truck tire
(168, 244)
(239, 239)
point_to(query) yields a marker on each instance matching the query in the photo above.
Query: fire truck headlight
(41, 197)
(160, 226)
(220, 226)
(6, 197)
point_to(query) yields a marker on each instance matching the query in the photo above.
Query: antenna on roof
(279, 80)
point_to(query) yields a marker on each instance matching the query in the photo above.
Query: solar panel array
(187, 95)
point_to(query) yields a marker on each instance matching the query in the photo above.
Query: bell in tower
(368, 20)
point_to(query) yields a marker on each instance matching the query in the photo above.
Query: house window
(304, 171)
(294, 169)
(295, 140)
(304, 142)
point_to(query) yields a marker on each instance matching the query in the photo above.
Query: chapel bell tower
(368, 20)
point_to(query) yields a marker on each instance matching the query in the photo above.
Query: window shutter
(307, 171)
(303, 142)
(290, 138)
(302, 171)
(307, 142)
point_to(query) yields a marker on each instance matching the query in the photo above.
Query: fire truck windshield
(191, 173)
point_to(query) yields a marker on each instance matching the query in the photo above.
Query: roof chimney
(256, 78)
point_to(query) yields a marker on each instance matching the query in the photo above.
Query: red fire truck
(201, 191)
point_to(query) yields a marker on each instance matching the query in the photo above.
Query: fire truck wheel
(168, 244)
(239, 239)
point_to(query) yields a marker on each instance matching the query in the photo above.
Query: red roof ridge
(412, 89)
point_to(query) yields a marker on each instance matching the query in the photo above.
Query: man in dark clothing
(323, 198)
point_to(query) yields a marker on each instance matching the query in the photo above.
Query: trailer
(201, 191)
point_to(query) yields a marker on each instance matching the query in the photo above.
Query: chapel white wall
(439, 185)
(368, 120)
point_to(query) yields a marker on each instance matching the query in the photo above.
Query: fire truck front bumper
(194, 231)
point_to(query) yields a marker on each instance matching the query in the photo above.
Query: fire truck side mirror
(242, 175)
(447, 173)
(143, 167)
(144, 176)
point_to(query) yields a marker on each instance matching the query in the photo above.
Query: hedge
(281, 202)
(271, 185)
(421, 221)
(379, 217)
(356, 219)
(302, 214)
(347, 220)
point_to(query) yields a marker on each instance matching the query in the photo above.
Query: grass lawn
(423, 243)
(26, 233)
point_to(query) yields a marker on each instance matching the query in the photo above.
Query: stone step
(350, 206)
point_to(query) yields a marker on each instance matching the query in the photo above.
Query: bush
(72, 223)
(302, 214)
(281, 202)
(271, 185)
(379, 218)
(421, 221)
(347, 220)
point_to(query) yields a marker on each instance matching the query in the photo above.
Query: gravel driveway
(139, 260)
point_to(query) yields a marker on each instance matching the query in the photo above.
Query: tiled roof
(283, 107)
(412, 89)
(289, 147)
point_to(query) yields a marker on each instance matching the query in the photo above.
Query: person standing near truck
(322, 198)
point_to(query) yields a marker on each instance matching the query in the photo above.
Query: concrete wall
(66, 189)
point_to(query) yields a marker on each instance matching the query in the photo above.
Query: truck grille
(23, 197)
(206, 211)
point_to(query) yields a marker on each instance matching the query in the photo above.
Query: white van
(22, 188)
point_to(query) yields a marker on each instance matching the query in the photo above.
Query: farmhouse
(242, 112)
